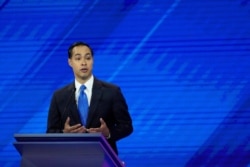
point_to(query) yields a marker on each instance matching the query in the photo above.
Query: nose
(84, 62)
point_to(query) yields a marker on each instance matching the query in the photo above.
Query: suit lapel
(74, 114)
(72, 110)
(95, 99)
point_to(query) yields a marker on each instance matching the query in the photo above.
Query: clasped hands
(78, 128)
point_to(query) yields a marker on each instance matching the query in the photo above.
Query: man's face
(81, 63)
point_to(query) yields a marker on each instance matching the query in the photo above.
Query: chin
(85, 77)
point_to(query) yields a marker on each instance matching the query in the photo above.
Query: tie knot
(82, 88)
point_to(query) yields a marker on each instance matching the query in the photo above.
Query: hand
(78, 128)
(103, 129)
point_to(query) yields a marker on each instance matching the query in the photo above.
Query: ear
(69, 62)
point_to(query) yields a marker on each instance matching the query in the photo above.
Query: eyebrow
(78, 54)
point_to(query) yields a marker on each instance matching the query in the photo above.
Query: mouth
(84, 70)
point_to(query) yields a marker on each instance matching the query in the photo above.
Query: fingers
(102, 121)
(94, 130)
(66, 125)
(75, 129)
(67, 122)
(103, 128)
(78, 128)
(100, 129)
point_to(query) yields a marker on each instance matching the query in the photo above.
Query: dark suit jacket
(107, 102)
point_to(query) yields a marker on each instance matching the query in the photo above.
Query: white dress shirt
(88, 90)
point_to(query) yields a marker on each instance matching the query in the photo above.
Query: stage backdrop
(183, 66)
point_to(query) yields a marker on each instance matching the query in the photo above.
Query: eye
(77, 58)
(88, 57)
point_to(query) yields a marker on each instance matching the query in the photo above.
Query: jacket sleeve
(123, 122)
(54, 123)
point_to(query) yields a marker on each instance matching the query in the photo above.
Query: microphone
(67, 105)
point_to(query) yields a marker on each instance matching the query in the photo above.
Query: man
(107, 109)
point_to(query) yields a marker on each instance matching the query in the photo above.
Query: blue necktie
(83, 105)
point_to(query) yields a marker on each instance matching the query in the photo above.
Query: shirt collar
(88, 84)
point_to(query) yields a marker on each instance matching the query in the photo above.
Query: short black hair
(79, 43)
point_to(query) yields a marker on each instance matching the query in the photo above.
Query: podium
(65, 150)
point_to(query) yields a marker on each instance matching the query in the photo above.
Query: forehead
(81, 50)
